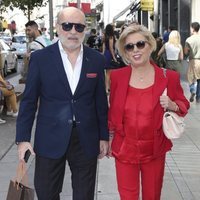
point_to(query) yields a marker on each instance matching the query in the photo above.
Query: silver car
(19, 43)
(8, 58)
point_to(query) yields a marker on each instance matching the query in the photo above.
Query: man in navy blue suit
(65, 87)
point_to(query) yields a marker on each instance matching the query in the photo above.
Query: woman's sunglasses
(67, 26)
(131, 46)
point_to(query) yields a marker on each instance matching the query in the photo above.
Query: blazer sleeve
(116, 104)
(29, 102)
(111, 126)
(102, 103)
(176, 93)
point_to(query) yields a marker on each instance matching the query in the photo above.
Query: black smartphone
(27, 155)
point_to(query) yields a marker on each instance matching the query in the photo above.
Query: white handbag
(173, 124)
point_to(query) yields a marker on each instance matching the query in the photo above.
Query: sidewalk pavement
(182, 174)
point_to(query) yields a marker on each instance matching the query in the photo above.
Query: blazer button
(70, 121)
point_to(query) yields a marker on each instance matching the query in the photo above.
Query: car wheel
(5, 69)
(15, 68)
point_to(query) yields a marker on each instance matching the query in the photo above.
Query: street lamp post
(51, 19)
(79, 4)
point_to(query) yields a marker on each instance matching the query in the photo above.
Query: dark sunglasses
(131, 46)
(67, 26)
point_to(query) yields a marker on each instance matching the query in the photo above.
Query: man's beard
(65, 41)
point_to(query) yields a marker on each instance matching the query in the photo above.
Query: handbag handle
(165, 92)
(21, 174)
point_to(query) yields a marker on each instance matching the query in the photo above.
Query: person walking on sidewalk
(192, 49)
(36, 38)
(8, 92)
(174, 51)
(109, 52)
(135, 115)
(66, 83)
(36, 41)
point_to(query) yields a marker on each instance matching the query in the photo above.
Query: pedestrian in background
(174, 51)
(160, 61)
(8, 92)
(66, 85)
(192, 49)
(109, 52)
(167, 32)
(36, 38)
(94, 41)
(136, 110)
(36, 41)
(2, 121)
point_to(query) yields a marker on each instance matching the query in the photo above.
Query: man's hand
(103, 148)
(109, 147)
(22, 148)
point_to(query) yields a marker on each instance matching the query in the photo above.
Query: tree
(26, 6)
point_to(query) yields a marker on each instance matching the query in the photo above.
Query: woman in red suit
(135, 116)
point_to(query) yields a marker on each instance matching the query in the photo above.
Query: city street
(182, 174)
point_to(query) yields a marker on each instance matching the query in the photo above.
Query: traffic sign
(147, 5)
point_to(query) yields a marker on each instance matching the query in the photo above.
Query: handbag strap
(165, 92)
(165, 75)
(164, 72)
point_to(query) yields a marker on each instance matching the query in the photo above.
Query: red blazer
(118, 92)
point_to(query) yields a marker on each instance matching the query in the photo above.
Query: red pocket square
(91, 75)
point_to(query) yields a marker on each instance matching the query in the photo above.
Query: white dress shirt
(73, 74)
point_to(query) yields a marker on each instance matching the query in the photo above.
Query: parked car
(6, 37)
(19, 43)
(8, 58)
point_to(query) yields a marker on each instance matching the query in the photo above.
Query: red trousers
(147, 175)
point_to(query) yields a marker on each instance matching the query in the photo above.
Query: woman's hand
(109, 146)
(168, 104)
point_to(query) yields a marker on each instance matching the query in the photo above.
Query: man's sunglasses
(131, 46)
(67, 26)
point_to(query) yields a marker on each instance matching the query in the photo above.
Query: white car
(8, 58)
(19, 43)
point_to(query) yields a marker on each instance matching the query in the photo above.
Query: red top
(138, 119)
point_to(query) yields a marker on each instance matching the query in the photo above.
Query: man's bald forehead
(70, 11)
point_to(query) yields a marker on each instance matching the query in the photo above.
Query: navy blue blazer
(48, 94)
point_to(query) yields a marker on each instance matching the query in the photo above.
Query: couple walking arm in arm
(66, 88)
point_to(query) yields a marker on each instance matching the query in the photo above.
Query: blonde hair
(174, 38)
(131, 30)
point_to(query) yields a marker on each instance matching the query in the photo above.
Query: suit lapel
(123, 85)
(84, 69)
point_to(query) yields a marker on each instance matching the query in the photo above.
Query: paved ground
(182, 174)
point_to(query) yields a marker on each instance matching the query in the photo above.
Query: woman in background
(174, 51)
(137, 106)
(109, 52)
